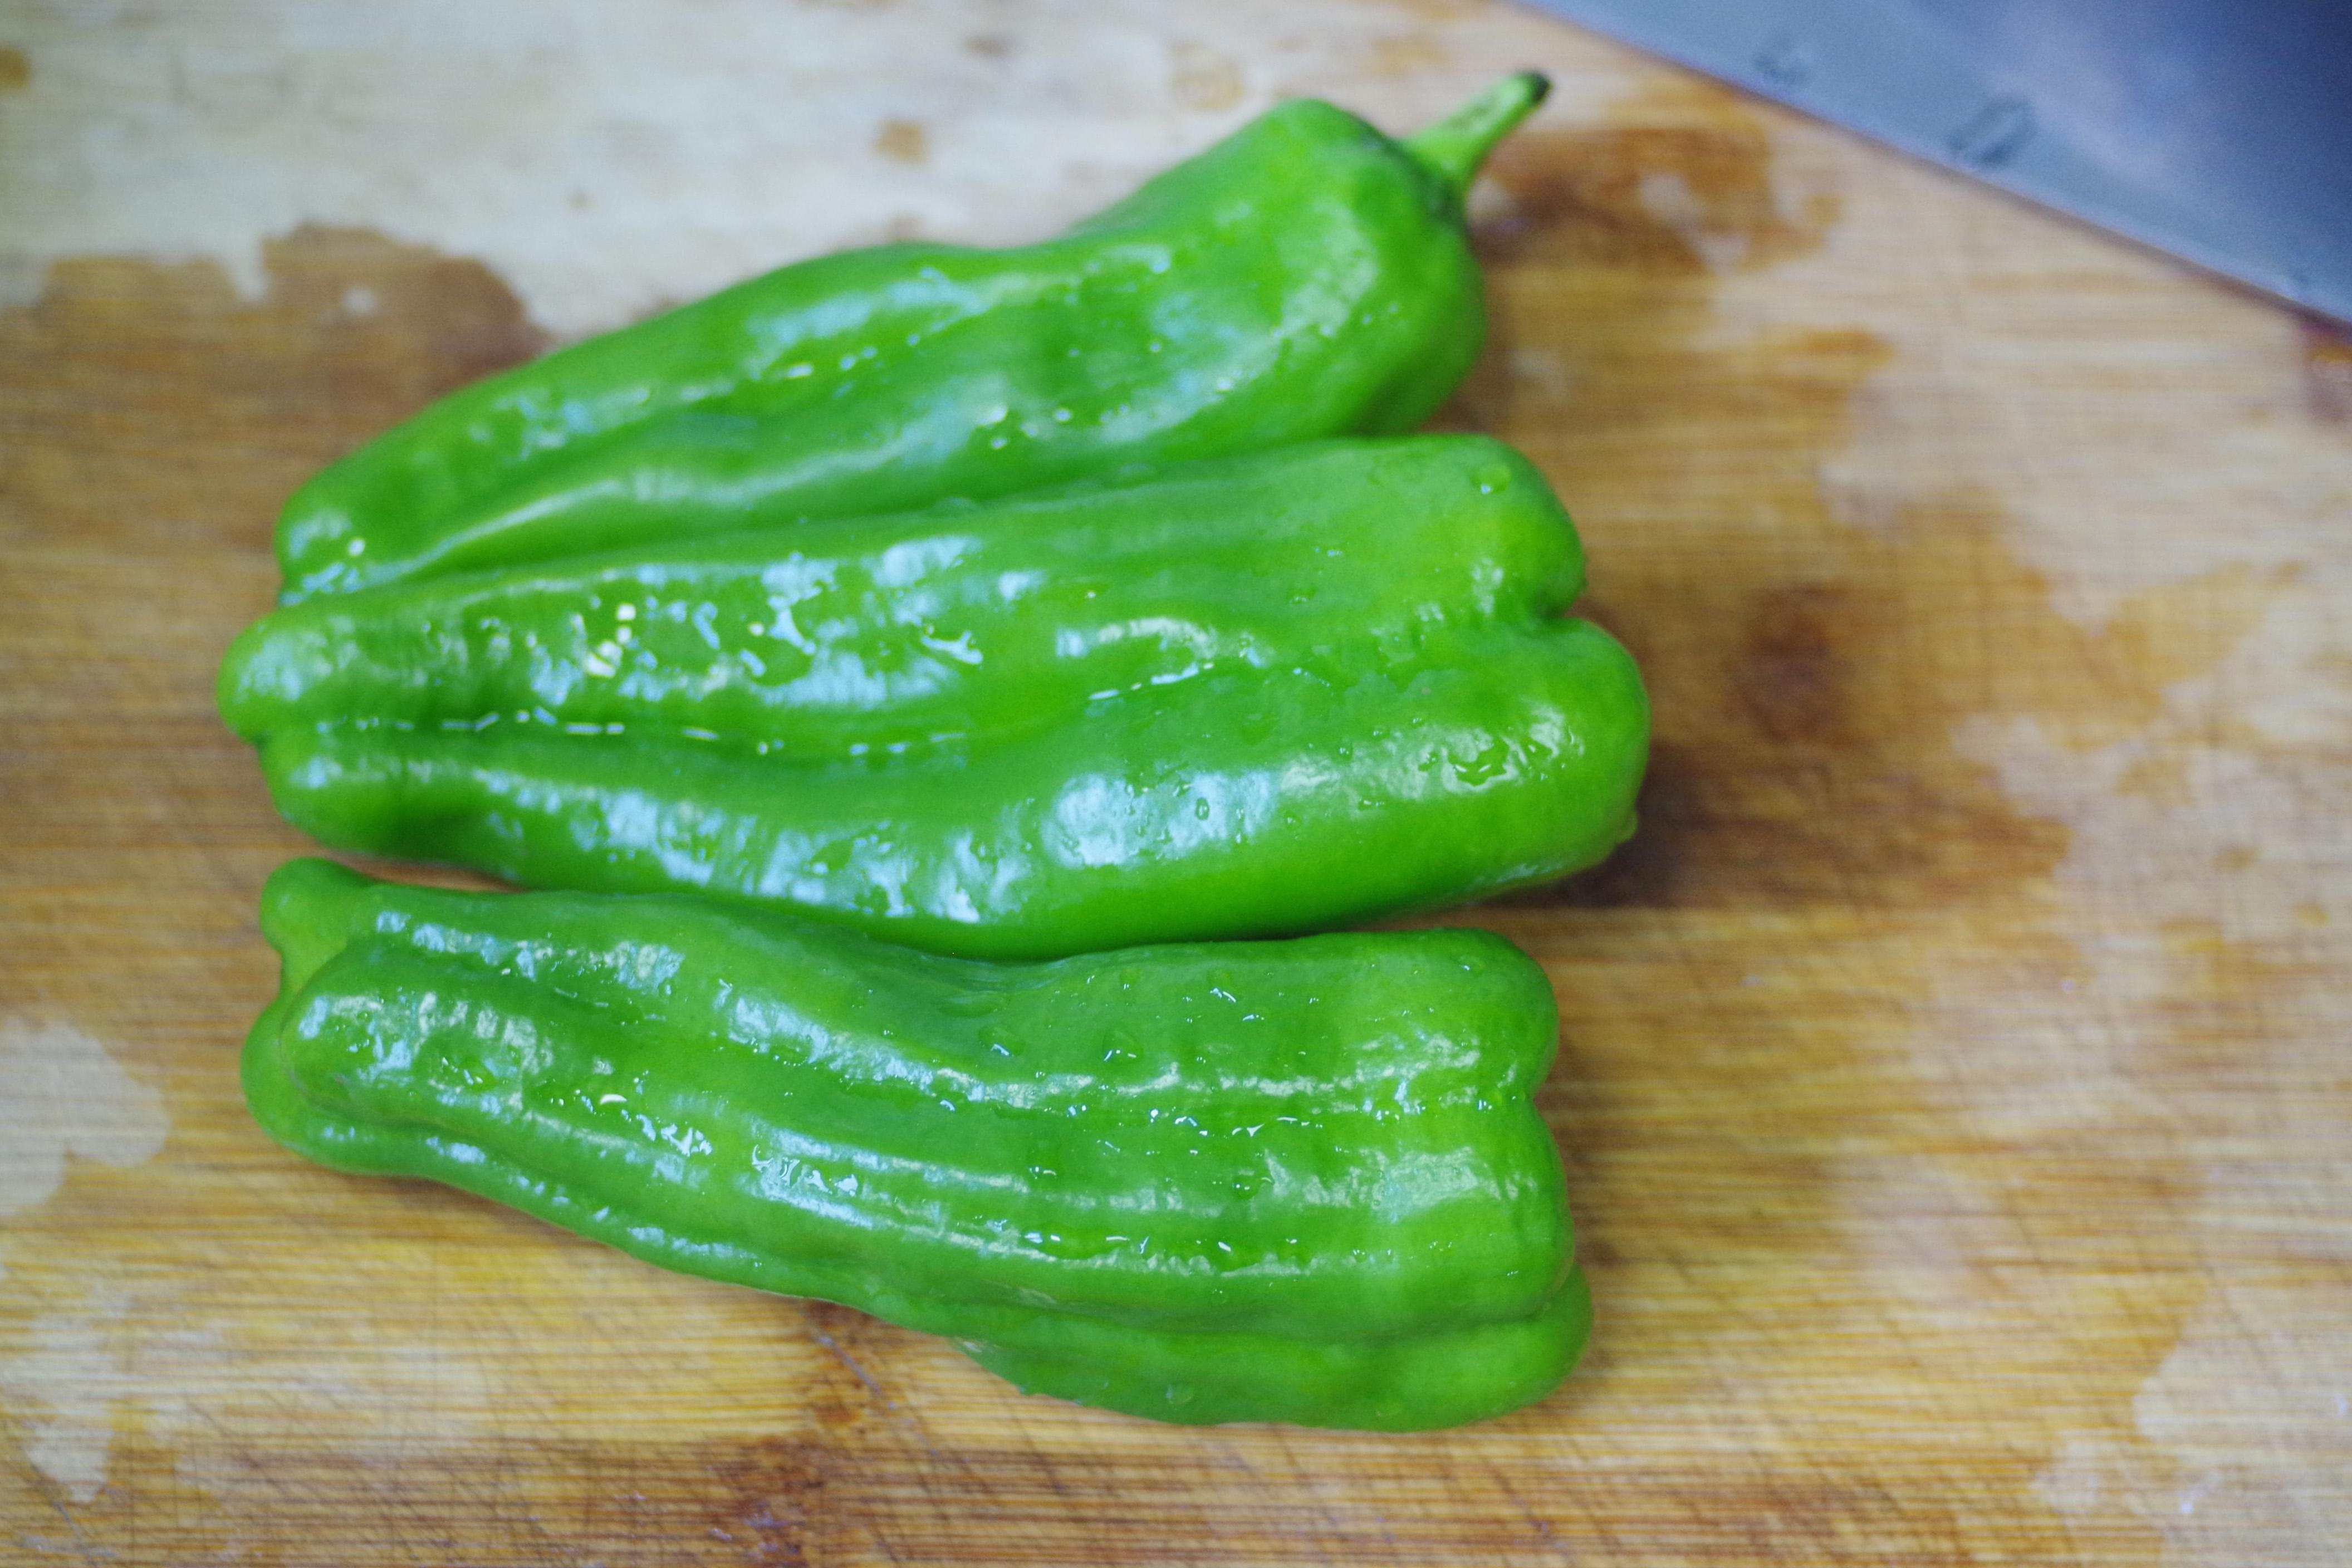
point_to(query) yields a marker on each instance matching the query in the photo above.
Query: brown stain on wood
(903, 141)
(2327, 372)
(1203, 76)
(1405, 54)
(16, 70)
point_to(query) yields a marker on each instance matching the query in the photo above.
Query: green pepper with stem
(1244, 697)
(1299, 1181)
(1307, 276)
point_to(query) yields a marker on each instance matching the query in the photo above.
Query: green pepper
(1307, 276)
(1249, 695)
(1299, 1181)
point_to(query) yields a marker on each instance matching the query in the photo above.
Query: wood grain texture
(1954, 1082)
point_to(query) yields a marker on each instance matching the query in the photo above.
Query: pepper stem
(1457, 145)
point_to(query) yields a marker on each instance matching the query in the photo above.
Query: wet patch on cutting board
(1776, 1095)
(1801, 751)
(231, 401)
(1807, 668)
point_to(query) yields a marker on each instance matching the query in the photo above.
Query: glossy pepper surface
(1244, 697)
(1298, 1181)
(1307, 276)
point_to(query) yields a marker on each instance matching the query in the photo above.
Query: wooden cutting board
(1954, 1082)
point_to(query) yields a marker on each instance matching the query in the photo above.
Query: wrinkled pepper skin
(1307, 276)
(1246, 696)
(1299, 1181)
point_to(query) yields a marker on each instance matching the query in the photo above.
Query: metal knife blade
(2219, 130)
